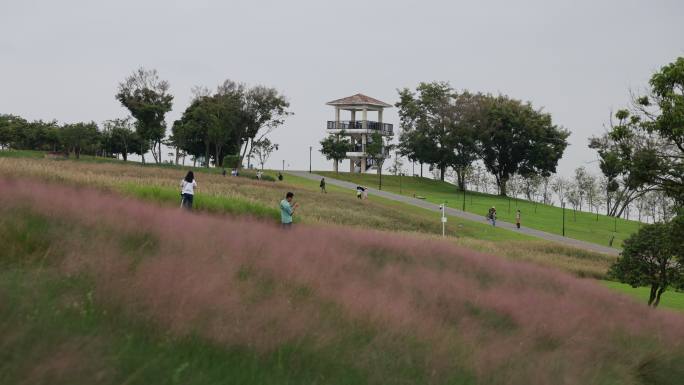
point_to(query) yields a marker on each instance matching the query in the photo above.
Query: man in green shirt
(287, 210)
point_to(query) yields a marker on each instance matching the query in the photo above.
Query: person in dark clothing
(323, 185)
(491, 216)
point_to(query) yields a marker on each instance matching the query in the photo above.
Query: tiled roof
(358, 100)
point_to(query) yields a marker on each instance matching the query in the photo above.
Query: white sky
(577, 59)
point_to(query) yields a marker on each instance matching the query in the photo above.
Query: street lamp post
(563, 207)
(400, 174)
(310, 147)
(443, 219)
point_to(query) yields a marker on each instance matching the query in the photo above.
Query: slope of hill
(243, 196)
(580, 225)
(96, 288)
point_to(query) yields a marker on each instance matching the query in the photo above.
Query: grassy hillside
(243, 196)
(259, 198)
(579, 225)
(99, 289)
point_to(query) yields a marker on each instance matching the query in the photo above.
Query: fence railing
(384, 128)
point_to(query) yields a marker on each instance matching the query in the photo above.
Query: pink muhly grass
(455, 300)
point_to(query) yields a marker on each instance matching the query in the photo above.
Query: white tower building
(359, 130)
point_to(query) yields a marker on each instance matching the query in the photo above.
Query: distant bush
(231, 161)
(253, 175)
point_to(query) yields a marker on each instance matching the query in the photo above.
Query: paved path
(461, 214)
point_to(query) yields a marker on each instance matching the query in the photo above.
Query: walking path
(465, 215)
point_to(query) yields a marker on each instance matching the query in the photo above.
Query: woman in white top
(188, 185)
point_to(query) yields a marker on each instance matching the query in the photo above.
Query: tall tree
(264, 110)
(335, 147)
(514, 138)
(122, 137)
(615, 150)
(263, 150)
(437, 127)
(210, 127)
(583, 181)
(8, 126)
(653, 136)
(378, 151)
(148, 100)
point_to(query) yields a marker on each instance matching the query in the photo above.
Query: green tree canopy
(335, 147)
(211, 127)
(121, 138)
(148, 100)
(80, 137)
(513, 137)
(652, 257)
(263, 150)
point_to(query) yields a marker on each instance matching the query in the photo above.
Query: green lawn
(670, 299)
(455, 226)
(580, 225)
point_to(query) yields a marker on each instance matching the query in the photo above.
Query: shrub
(253, 175)
(231, 161)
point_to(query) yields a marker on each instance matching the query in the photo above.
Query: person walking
(287, 210)
(365, 192)
(323, 186)
(517, 218)
(491, 216)
(188, 186)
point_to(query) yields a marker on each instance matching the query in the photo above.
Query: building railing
(384, 128)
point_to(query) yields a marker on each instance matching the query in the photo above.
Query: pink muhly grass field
(238, 281)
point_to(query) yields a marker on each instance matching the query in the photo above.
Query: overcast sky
(576, 59)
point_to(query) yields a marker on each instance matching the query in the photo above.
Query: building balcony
(354, 127)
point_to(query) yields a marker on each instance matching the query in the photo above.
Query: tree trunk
(176, 155)
(206, 154)
(442, 171)
(421, 169)
(660, 292)
(336, 165)
(154, 152)
(501, 183)
(652, 295)
(244, 152)
(218, 161)
(125, 156)
(460, 177)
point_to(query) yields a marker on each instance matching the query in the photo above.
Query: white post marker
(442, 208)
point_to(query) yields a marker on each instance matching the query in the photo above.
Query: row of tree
(450, 129)
(230, 123)
(115, 137)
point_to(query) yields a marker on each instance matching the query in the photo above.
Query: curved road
(465, 215)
